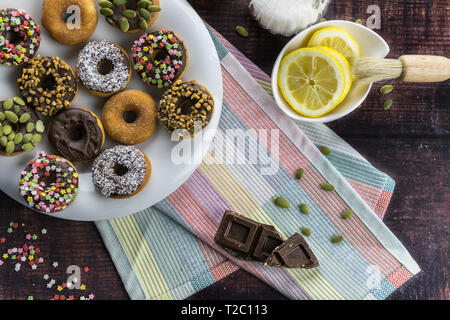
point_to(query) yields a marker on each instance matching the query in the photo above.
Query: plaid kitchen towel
(168, 252)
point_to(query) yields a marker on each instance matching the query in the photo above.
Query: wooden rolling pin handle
(423, 68)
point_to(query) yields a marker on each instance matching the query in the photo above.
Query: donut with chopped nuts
(20, 37)
(57, 13)
(121, 172)
(20, 127)
(130, 117)
(160, 58)
(103, 68)
(48, 84)
(130, 16)
(49, 183)
(186, 108)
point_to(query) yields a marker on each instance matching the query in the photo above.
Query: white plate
(167, 176)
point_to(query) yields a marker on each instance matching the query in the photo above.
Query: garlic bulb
(287, 17)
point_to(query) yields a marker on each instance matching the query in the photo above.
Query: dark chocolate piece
(293, 253)
(76, 135)
(247, 239)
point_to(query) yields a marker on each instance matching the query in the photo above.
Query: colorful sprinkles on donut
(20, 37)
(49, 183)
(160, 58)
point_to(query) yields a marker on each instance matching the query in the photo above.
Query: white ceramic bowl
(372, 45)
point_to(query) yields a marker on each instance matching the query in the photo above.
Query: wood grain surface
(410, 142)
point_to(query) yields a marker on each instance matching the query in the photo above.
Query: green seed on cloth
(337, 239)
(282, 202)
(386, 89)
(306, 232)
(299, 174)
(347, 214)
(304, 208)
(387, 104)
(325, 150)
(327, 187)
(242, 31)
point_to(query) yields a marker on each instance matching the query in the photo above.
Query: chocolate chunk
(246, 239)
(293, 253)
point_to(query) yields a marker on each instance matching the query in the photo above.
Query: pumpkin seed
(124, 25)
(11, 136)
(11, 117)
(299, 174)
(30, 127)
(242, 31)
(3, 141)
(19, 101)
(106, 12)
(144, 3)
(25, 117)
(36, 139)
(110, 21)
(130, 14)
(282, 202)
(304, 208)
(387, 104)
(325, 150)
(7, 130)
(306, 232)
(10, 147)
(105, 4)
(359, 21)
(27, 147)
(145, 14)
(154, 8)
(327, 187)
(120, 2)
(27, 137)
(337, 239)
(1, 130)
(8, 103)
(40, 128)
(347, 214)
(386, 89)
(2, 116)
(143, 25)
(18, 138)
(17, 109)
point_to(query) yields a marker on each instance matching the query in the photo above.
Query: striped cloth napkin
(168, 252)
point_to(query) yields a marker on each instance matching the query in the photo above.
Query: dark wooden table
(410, 142)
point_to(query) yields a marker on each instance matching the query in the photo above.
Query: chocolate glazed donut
(77, 134)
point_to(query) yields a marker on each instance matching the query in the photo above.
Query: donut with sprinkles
(49, 183)
(160, 58)
(20, 37)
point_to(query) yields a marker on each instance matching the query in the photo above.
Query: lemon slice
(312, 81)
(345, 67)
(337, 39)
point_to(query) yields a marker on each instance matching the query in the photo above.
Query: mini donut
(104, 68)
(121, 172)
(77, 134)
(57, 13)
(48, 84)
(130, 16)
(20, 127)
(160, 58)
(20, 37)
(130, 117)
(49, 183)
(185, 104)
